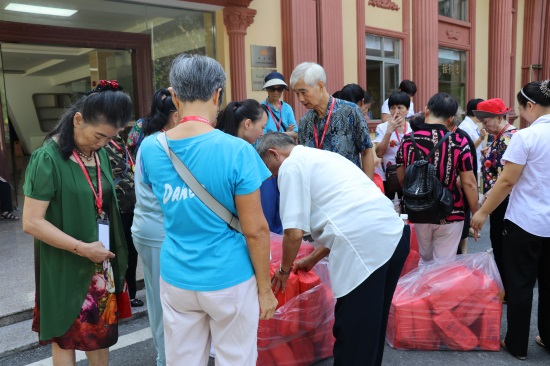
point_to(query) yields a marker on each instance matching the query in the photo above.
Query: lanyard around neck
(318, 144)
(397, 134)
(278, 123)
(195, 119)
(98, 195)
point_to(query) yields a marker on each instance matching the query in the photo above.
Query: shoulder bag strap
(192, 182)
(416, 151)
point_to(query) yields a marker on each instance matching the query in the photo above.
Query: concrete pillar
(331, 49)
(361, 47)
(237, 19)
(500, 48)
(425, 51)
(546, 50)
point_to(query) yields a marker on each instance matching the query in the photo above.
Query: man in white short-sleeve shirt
(324, 194)
(469, 125)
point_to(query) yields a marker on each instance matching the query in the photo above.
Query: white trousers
(229, 318)
(438, 242)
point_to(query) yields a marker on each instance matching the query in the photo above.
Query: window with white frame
(383, 69)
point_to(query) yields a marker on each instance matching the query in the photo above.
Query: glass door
(38, 82)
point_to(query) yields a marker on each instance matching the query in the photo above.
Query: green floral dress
(75, 302)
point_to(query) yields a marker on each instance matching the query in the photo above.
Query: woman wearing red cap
(492, 115)
(526, 246)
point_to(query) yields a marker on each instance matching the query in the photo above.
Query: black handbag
(392, 181)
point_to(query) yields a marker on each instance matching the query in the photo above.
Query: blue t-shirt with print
(200, 251)
(288, 118)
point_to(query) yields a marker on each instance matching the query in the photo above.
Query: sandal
(538, 340)
(9, 216)
(503, 345)
(136, 302)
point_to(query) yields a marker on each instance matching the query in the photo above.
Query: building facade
(468, 48)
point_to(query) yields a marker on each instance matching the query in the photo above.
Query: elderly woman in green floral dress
(71, 210)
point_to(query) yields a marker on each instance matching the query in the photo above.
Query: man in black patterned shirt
(331, 124)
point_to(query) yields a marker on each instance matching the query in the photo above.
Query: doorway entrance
(40, 81)
(63, 62)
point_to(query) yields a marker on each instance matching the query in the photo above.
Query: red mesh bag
(323, 340)
(400, 329)
(265, 358)
(472, 307)
(307, 280)
(411, 263)
(267, 333)
(282, 355)
(487, 326)
(288, 323)
(315, 304)
(449, 291)
(303, 350)
(424, 330)
(454, 334)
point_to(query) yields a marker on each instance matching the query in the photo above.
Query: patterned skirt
(96, 326)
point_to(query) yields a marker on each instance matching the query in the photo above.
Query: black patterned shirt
(123, 175)
(347, 134)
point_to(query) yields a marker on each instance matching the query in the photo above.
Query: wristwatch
(281, 271)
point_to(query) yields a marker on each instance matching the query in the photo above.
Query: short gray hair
(310, 72)
(273, 140)
(196, 77)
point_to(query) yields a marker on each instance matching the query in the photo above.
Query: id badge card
(103, 232)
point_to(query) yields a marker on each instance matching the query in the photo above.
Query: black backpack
(425, 199)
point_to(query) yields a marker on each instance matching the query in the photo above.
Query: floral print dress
(492, 162)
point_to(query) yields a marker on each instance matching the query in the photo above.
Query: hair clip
(104, 85)
(544, 88)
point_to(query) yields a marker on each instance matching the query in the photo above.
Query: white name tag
(103, 232)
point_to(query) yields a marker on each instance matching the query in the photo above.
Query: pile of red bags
(300, 332)
(414, 256)
(454, 306)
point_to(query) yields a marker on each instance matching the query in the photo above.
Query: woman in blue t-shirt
(215, 281)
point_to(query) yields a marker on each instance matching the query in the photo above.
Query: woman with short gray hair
(212, 277)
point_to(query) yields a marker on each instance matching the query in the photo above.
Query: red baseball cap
(491, 108)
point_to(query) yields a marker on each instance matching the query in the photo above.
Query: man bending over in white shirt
(324, 194)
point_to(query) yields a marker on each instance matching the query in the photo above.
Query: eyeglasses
(274, 89)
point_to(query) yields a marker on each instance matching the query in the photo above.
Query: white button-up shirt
(326, 195)
(529, 205)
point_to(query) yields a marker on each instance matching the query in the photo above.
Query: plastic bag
(300, 332)
(455, 305)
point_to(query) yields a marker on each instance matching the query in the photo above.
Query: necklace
(84, 156)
